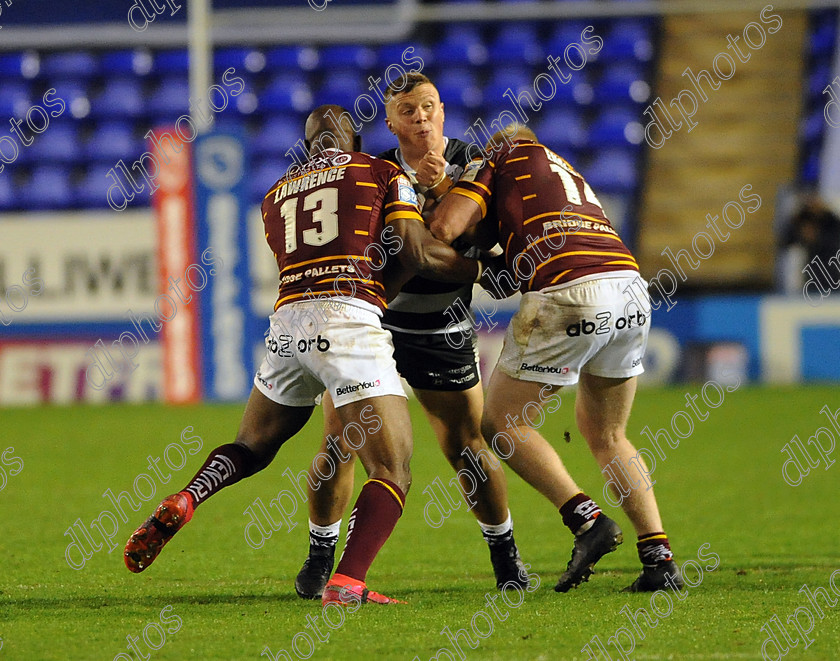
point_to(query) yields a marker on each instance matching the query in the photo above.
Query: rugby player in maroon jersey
(325, 334)
(426, 329)
(574, 325)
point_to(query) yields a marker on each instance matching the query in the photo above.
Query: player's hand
(431, 168)
(497, 279)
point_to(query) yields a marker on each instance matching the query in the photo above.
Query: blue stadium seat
(8, 195)
(823, 35)
(92, 189)
(617, 85)
(517, 43)
(810, 172)
(78, 64)
(266, 173)
(287, 93)
(811, 127)
(393, 54)
(287, 58)
(612, 127)
(376, 137)
(112, 141)
(60, 143)
(561, 128)
(121, 97)
(459, 86)
(628, 39)
(566, 32)
(75, 95)
(241, 59)
(11, 65)
(127, 63)
(171, 62)
(347, 55)
(277, 135)
(504, 78)
(613, 171)
(15, 99)
(48, 187)
(820, 76)
(457, 122)
(343, 86)
(461, 45)
(171, 98)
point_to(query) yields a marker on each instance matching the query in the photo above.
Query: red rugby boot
(147, 541)
(343, 590)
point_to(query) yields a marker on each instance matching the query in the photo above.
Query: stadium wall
(99, 274)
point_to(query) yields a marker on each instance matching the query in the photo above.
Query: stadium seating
(60, 145)
(121, 98)
(115, 96)
(76, 63)
(111, 141)
(48, 187)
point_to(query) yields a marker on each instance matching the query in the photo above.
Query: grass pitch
(212, 596)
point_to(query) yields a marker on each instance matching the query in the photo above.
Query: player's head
(414, 113)
(508, 134)
(320, 132)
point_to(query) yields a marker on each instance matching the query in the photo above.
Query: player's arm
(423, 254)
(454, 215)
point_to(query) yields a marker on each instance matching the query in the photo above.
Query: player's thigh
(455, 416)
(513, 401)
(266, 424)
(602, 407)
(382, 431)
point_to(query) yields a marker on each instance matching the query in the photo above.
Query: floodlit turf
(215, 597)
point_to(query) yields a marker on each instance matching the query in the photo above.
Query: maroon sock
(578, 511)
(225, 465)
(374, 516)
(654, 548)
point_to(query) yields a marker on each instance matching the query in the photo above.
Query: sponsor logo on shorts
(636, 362)
(362, 385)
(279, 345)
(264, 382)
(602, 325)
(322, 344)
(543, 369)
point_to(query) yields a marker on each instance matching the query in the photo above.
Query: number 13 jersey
(327, 226)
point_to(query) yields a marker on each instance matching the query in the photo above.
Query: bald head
(324, 130)
(513, 131)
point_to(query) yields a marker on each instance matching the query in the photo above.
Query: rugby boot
(603, 537)
(664, 575)
(507, 565)
(147, 541)
(343, 590)
(316, 570)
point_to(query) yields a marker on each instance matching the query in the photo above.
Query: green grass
(722, 486)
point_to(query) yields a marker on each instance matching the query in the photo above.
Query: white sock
(331, 530)
(499, 529)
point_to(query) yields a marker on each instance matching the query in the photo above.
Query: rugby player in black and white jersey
(446, 381)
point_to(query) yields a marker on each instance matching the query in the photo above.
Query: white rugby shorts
(593, 326)
(336, 346)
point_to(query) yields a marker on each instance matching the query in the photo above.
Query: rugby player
(328, 213)
(573, 326)
(445, 380)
